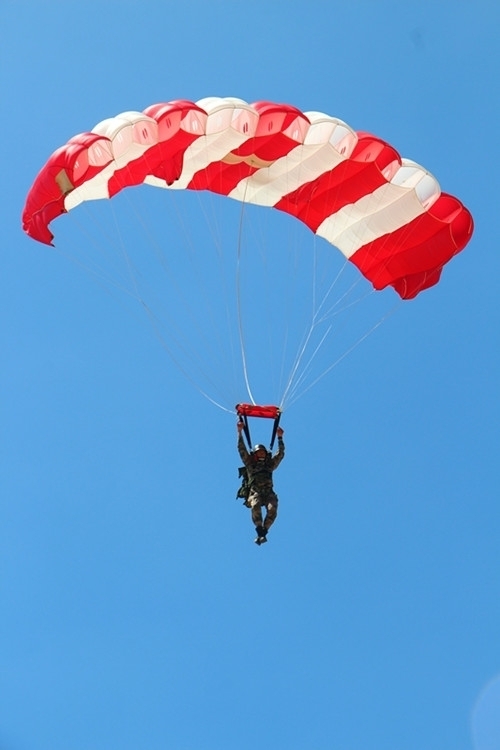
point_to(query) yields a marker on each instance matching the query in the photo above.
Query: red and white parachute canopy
(386, 214)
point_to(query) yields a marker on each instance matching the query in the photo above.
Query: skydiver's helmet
(260, 451)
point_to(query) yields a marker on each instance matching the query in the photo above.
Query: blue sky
(136, 612)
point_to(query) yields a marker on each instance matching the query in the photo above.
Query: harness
(249, 477)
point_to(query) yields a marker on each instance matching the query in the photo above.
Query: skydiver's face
(261, 454)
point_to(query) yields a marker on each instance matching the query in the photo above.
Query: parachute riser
(275, 429)
(246, 430)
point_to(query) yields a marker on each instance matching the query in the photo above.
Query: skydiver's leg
(271, 504)
(255, 500)
(256, 508)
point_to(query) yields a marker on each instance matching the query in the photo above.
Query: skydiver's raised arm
(280, 453)
(242, 449)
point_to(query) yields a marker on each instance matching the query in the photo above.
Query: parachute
(386, 214)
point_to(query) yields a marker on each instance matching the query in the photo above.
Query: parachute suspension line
(315, 321)
(206, 293)
(217, 350)
(277, 326)
(107, 281)
(297, 379)
(332, 312)
(296, 364)
(195, 356)
(306, 368)
(182, 369)
(291, 299)
(95, 271)
(238, 303)
(227, 293)
(346, 353)
(329, 291)
(100, 278)
(307, 336)
(283, 355)
(128, 262)
(323, 313)
(154, 321)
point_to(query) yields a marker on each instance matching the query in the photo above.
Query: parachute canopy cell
(386, 214)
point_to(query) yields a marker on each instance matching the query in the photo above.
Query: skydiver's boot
(261, 535)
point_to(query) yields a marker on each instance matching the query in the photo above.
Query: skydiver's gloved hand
(239, 426)
(280, 432)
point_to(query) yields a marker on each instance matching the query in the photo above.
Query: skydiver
(259, 465)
